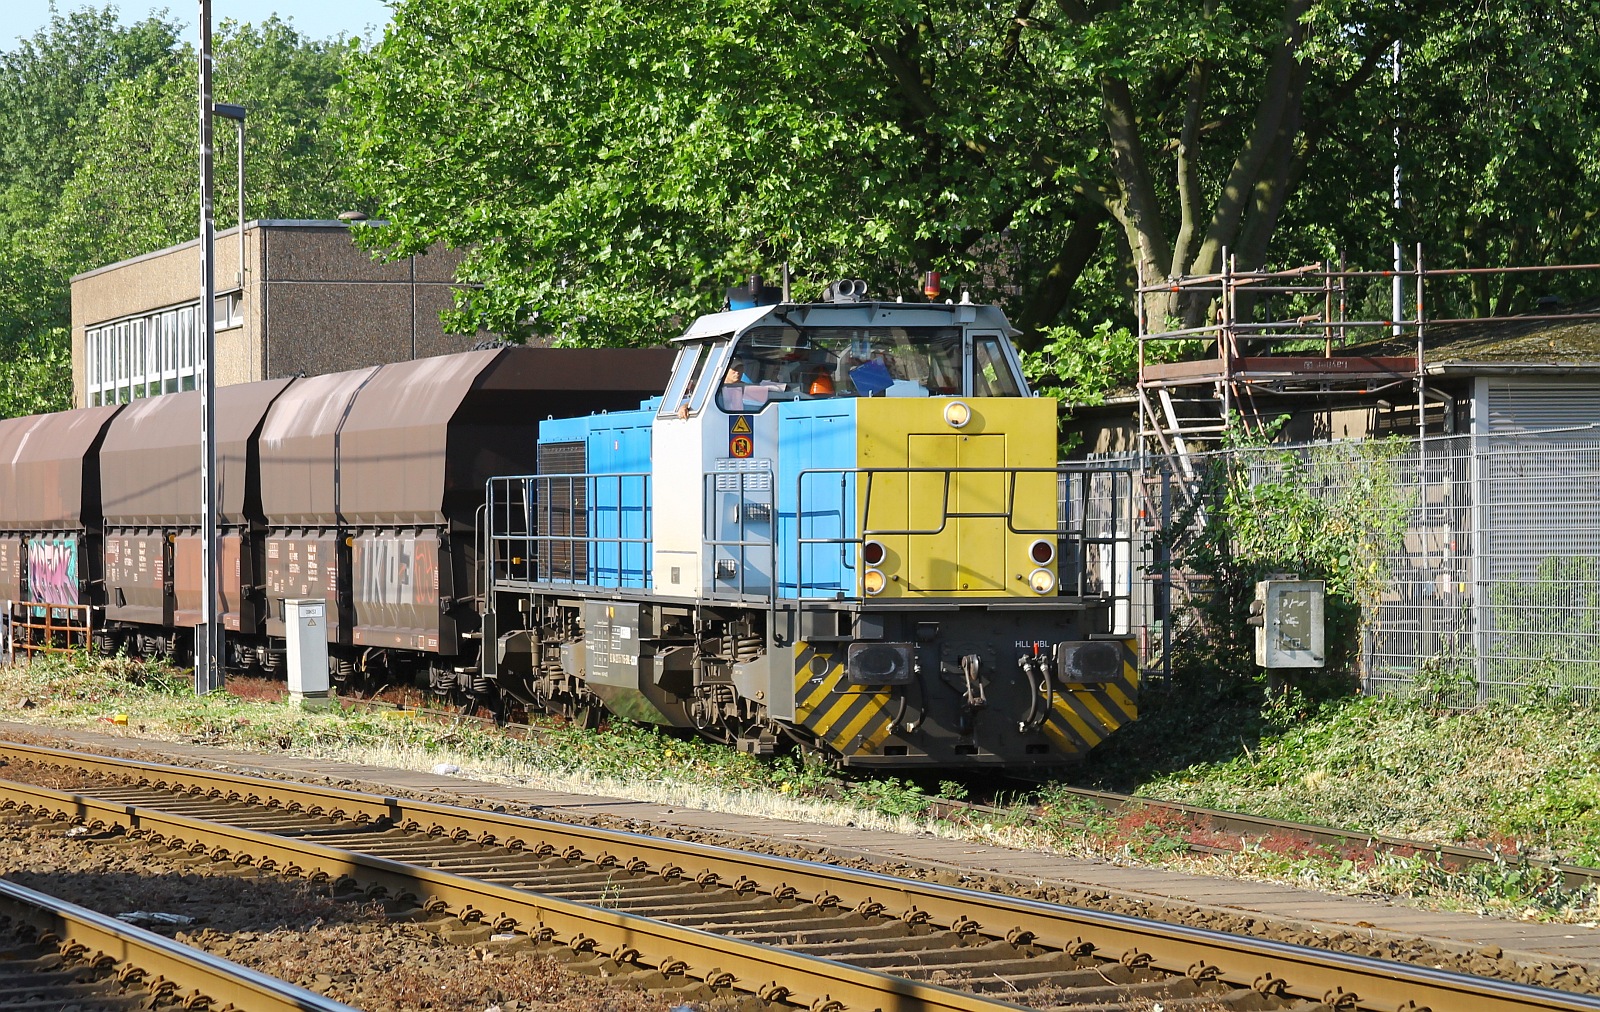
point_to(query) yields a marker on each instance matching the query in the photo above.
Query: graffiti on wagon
(53, 570)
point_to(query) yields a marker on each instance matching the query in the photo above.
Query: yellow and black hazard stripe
(851, 719)
(1083, 715)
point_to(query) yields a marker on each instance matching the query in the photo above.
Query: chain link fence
(1493, 590)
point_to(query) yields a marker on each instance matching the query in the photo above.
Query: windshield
(786, 364)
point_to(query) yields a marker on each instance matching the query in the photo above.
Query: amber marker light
(873, 581)
(957, 414)
(1042, 581)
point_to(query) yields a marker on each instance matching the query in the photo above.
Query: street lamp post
(236, 113)
(208, 637)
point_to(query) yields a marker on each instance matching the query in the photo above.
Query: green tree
(99, 153)
(1501, 149)
(134, 189)
(601, 159)
(53, 88)
(611, 167)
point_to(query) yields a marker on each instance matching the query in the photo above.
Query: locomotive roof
(845, 314)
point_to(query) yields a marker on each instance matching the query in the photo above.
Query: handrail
(580, 545)
(1088, 516)
(1062, 528)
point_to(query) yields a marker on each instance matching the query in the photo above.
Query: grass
(623, 760)
(1518, 780)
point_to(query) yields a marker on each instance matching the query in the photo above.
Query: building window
(151, 354)
(230, 311)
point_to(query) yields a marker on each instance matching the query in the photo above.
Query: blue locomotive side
(608, 491)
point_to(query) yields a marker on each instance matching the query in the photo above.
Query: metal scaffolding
(1268, 334)
(1271, 336)
(1259, 344)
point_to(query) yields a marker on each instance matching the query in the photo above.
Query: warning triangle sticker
(741, 423)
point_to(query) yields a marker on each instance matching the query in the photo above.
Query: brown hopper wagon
(363, 488)
(50, 514)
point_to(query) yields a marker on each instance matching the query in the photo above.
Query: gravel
(352, 951)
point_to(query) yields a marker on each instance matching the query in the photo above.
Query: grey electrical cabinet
(306, 634)
(1288, 618)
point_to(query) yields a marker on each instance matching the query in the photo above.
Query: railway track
(1454, 857)
(696, 920)
(77, 959)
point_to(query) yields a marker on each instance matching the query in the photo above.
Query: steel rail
(159, 962)
(759, 969)
(1316, 975)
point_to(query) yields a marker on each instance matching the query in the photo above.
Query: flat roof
(256, 223)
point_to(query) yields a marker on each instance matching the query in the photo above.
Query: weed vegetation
(1518, 780)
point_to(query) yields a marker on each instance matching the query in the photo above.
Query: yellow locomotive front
(960, 645)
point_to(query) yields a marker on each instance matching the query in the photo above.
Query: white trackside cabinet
(306, 630)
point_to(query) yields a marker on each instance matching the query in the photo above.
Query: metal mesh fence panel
(1494, 588)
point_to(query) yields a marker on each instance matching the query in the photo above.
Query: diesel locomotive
(836, 525)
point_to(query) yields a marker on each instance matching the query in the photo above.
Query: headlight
(1042, 581)
(957, 414)
(872, 581)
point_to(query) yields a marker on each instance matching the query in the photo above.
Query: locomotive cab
(778, 407)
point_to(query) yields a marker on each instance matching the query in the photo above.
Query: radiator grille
(563, 511)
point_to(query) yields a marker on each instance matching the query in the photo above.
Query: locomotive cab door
(682, 442)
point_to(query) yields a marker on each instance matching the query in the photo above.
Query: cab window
(992, 375)
(683, 376)
(692, 380)
(706, 379)
(770, 364)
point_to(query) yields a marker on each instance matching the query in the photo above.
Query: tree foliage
(135, 187)
(1500, 135)
(610, 167)
(53, 87)
(99, 160)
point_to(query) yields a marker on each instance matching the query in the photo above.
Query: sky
(316, 18)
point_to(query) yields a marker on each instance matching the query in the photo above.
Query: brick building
(308, 301)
